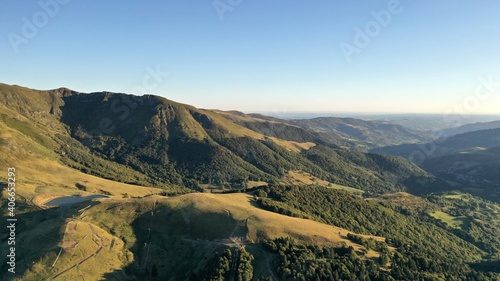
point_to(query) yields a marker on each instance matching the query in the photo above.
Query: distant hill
(354, 133)
(489, 138)
(470, 159)
(482, 166)
(482, 138)
(365, 134)
(446, 133)
(431, 123)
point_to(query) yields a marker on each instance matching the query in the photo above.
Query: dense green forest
(423, 248)
(309, 262)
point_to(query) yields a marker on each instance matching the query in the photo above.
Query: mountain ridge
(173, 143)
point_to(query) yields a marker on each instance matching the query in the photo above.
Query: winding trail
(101, 246)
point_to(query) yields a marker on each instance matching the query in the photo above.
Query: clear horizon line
(360, 112)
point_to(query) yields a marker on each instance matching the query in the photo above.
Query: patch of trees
(312, 262)
(233, 264)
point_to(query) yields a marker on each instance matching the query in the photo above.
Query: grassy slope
(185, 230)
(452, 221)
(261, 223)
(303, 178)
(40, 175)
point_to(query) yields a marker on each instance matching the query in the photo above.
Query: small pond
(67, 201)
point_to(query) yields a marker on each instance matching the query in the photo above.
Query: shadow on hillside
(487, 266)
(37, 237)
(424, 185)
(173, 244)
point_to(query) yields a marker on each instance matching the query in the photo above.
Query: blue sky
(262, 55)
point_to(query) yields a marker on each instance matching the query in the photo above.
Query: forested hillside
(424, 248)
